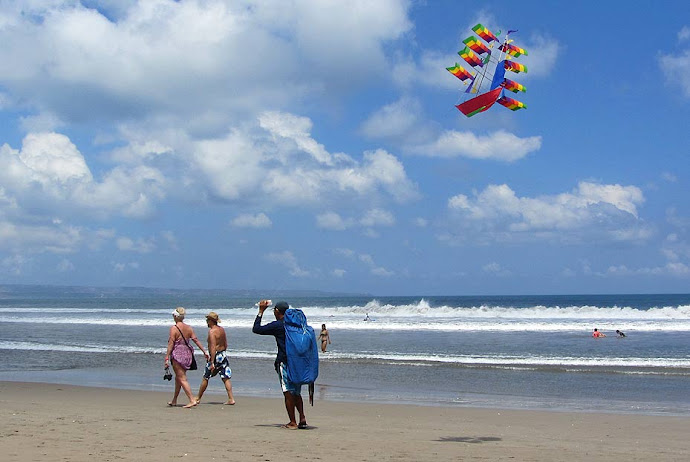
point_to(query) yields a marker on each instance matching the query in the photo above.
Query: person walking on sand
(597, 333)
(217, 363)
(291, 392)
(325, 338)
(181, 353)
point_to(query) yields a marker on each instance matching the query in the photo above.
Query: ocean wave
(633, 365)
(391, 324)
(420, 309)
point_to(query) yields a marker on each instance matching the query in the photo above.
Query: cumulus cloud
(259, 161)
(52, 238)
(401, 119)
(289, 261)
(206, 58)
(259, 220)
(332, 221)
(610, 207)
(377, 217)
(499, 145)
(50, 172)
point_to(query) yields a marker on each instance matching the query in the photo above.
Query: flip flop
(302, 425)
(286, 427)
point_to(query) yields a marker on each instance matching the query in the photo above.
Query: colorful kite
(512, 50)
(475, 45)
(484, 33)
(470, 57)
(460, 72)
(511, 103)
(515, 67)
(489, 88)
(513, 86)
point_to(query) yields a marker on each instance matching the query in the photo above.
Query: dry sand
(46, 422)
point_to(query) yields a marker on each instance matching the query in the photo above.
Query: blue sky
(302, 144)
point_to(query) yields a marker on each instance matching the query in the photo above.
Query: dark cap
(282, 307)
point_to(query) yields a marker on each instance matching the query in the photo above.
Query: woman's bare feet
(191, 404)
(230, 402)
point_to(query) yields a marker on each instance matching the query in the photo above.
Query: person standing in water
(597, 333)
(325, 338)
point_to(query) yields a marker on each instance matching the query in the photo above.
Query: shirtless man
(218, 362)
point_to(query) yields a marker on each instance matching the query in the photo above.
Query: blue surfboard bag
(301, 349)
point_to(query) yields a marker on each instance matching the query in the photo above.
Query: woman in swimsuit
(181, 352)
(325, 338)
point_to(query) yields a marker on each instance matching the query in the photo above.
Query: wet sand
(48, 422)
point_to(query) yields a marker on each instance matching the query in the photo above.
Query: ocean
(516, 352)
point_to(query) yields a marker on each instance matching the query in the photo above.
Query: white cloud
(394, 120)
(251, 162)
(374, 269)
(120, 267)
(332, 221)
(377, 217)
(495, 269)
(54, 238)
(670, 269)
(199, 58)
(676, 66)
(50, 171)
(297, 129)
(348, 253)
(543, 52)
(260, 220)
(339, 273)
(139, 246)
(499, 145)
(611, 207)
(289, 261)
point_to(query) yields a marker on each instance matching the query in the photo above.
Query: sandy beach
(62, 422)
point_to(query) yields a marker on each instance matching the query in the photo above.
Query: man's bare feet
(230, 402)
(289, 426)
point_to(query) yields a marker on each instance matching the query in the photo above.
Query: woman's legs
(181, 382)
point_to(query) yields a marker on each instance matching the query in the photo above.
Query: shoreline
(56, 421)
